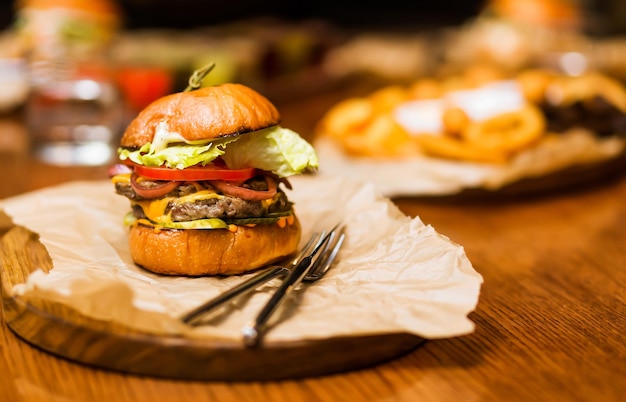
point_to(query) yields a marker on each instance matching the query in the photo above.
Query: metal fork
(313, 266)
(195, 316)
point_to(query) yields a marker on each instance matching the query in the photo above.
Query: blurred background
(388, 15)
(194, 13)
(134, 51)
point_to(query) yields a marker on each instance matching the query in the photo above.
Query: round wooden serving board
(63, 331)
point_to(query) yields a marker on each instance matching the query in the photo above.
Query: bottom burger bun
(199, 252)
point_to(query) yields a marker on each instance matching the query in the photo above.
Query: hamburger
(205, 172)
(48, 24)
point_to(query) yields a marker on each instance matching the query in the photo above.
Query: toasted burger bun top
(211, 112)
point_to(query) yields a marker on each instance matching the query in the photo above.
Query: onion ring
(228, 188)
(507, 132)
(159, 190)
(280, 180)
(453, 148)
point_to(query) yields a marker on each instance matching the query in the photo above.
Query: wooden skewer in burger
(203, 170)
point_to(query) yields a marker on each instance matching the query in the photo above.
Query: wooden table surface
(550, 323)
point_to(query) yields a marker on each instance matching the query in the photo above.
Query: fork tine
(306, 249)
(247, 286)
(255, 330)
(325, 260)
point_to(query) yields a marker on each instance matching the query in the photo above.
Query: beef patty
(222, 207)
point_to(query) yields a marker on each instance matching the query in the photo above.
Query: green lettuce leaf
(275, 149)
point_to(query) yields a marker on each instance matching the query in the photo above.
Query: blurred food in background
(392, 57)
(278, 58)
(73, 111)
(569, 36)
(44, 32)
(65, 28)
(289, 59)
(295, 58)
(483, 115)
(515, 34)
(482, 129)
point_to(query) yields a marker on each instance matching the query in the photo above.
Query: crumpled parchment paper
(428, 176)
(394, 273)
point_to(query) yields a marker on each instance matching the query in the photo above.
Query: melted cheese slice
(155, 209)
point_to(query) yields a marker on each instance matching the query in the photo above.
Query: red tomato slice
(195, 173)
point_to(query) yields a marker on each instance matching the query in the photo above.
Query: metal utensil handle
(252, 333)
(241, 289)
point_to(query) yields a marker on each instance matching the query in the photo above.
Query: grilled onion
(156, 189)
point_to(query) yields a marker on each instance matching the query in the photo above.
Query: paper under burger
(396, 273)
(204, 171)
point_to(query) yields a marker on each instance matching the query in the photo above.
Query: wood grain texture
(553, 307)
(109, 345)
(550, 322)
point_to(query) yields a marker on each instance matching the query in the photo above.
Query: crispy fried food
(347, 117)
(367, 127)
(507, 132)
(383, 137)
(493, 140)
(455, 121)
(426, 88)
(447, 147)
(534, 84)
(386, 99)
(480, 74)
